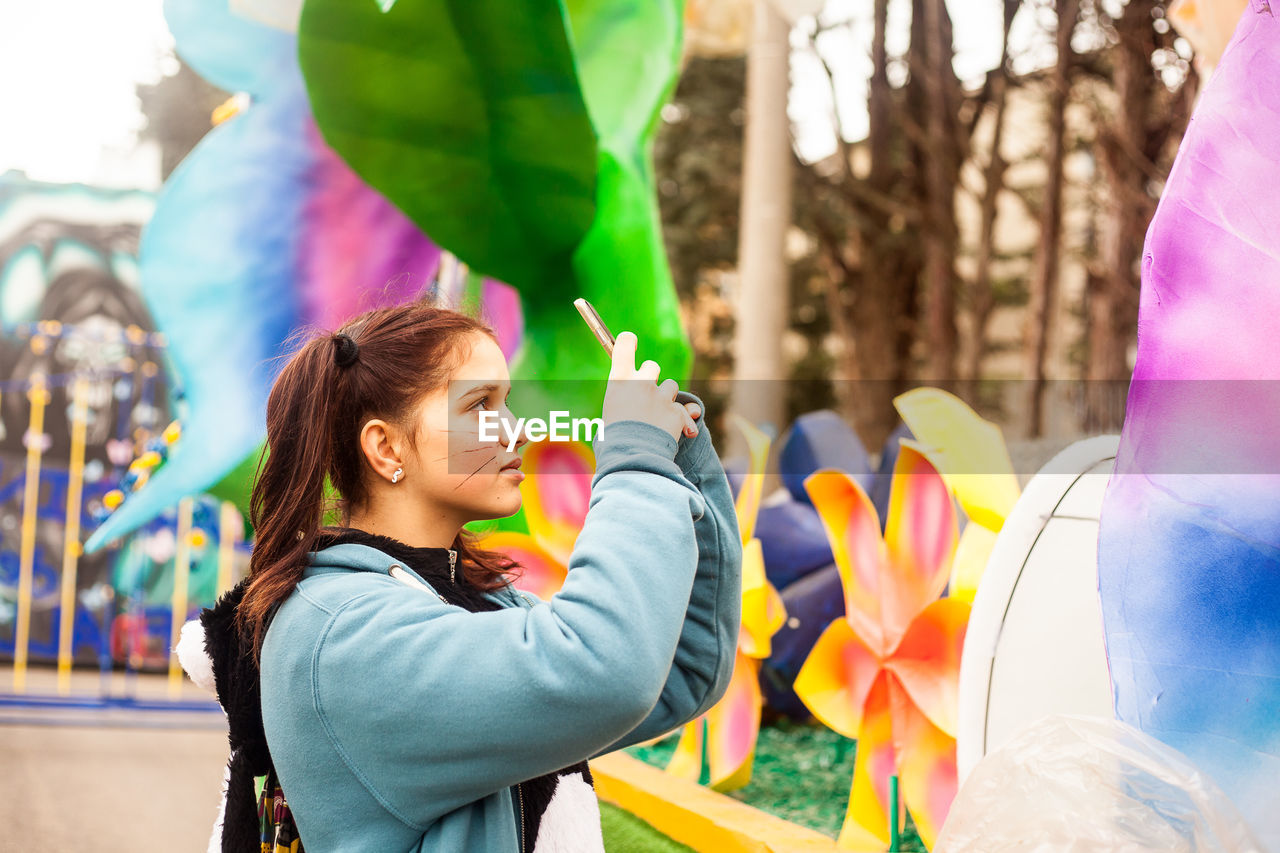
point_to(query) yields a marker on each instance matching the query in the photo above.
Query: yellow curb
(697, 816)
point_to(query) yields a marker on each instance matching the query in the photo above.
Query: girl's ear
(380, 444)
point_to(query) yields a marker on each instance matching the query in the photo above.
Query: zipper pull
(399, 573)
(453, 566)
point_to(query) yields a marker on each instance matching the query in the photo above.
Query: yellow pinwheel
(729, 730)
(972, 458)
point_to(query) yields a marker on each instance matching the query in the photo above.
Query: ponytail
(287, 505)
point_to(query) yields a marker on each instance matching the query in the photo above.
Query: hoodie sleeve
(707, 648)
(432, 707)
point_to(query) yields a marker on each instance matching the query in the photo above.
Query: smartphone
(597, 326)
(605, 337)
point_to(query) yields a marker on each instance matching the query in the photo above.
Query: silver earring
(399, 472)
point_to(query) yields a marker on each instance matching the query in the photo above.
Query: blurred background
(960, 189)
(857, 197)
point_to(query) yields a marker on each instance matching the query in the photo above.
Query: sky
(68, 111)
(68, 68)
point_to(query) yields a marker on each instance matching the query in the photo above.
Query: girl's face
(451, 471)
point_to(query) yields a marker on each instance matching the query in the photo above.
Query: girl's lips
(516, 473)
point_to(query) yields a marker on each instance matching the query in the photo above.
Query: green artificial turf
(802, 774)
(626, 833)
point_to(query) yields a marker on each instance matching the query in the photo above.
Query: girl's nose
(511, 424)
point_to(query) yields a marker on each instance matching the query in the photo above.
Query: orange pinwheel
(557, 493)
(888, 672)
(731, 727)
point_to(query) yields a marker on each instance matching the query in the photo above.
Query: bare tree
(863, 287)
(881, 278)
(1044, 280)
(889, 239)
(1134, 153)
(939, 152)
(981, 297)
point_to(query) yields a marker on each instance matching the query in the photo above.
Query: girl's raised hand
(634, 395)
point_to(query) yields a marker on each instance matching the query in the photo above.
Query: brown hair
(314, 415)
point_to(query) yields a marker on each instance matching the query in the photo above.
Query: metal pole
(229, 529)
(71, 534)
(39, 397)
(181, 576)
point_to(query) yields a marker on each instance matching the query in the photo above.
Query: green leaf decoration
(468, 115)
(519, 137)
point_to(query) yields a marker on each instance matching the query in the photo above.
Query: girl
(411, 699)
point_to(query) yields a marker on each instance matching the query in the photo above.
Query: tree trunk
(879, 309)
(872, 259)
(1045, 275)
(981, 299)
(941, 156)
(1112, 296)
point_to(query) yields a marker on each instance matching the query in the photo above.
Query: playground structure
(122, 607)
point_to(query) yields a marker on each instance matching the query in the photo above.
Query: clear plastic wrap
(1091, 785)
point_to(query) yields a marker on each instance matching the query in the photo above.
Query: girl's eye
(480, 404)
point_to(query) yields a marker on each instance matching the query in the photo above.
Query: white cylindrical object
(762, 301)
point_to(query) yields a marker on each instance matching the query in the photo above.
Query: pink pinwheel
(556, 496)
(887, 673)
(732, 725)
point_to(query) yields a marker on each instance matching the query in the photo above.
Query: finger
(690, 428)
(694, 410)
(624, 356)
(649, 370)
(669, 389)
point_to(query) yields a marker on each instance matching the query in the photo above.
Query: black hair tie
(345, 350)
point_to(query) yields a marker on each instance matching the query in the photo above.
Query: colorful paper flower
(262, 231)
(314, 199)
(972, 458)
(729, 730)
(556, 497)
(557, 493)
(1189, 535)
(887, 674)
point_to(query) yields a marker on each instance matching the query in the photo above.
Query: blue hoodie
(397, 722)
